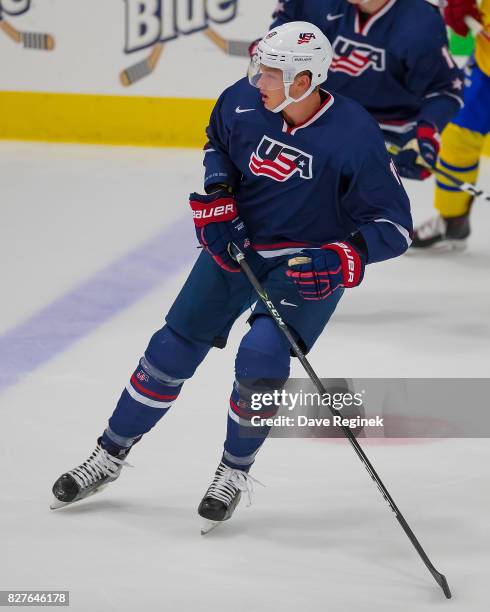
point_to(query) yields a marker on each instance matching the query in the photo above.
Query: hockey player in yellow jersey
(482, 53)
(463, 139)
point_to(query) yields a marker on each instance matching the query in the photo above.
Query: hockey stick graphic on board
(240, 258)
(30, 40)
(141, 69)
(145, 67)
(238, 48)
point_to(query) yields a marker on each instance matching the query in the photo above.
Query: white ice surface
(319, 536)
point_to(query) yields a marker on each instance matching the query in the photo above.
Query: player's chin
(269, 103)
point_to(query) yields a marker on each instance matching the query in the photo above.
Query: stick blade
(442, 582)
(238, 48)
(135, 73)
(38, 40)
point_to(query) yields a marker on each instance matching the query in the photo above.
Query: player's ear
(303, 80)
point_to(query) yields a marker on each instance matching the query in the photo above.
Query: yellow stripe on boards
(115, 120)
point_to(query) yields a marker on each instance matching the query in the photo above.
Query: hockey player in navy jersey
(289, 168)
(392, 57)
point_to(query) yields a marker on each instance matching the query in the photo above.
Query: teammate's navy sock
(155, 384)
(261, 366)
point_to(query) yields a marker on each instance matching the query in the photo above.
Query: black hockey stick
(462, 186)
(240, 258)
(469, 188)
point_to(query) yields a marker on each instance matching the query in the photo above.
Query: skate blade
(56, 503)
(439, 248)
(207, 525)
(455, 245)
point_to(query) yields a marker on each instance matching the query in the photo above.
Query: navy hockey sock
(114, 443)
(261, 366)
(168, 361)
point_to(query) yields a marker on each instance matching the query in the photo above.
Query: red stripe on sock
(135, 383)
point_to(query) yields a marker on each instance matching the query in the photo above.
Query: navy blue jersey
(396, 64)
(319, 182)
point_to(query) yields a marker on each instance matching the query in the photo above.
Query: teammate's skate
(442, 234)
(91, 476)
(223, 496)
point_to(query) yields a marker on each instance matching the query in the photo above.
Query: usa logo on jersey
(355, 58)
(279, 161)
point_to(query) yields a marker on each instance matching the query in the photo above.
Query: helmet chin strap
(289, 100)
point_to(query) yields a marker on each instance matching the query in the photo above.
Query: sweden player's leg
(461, 147)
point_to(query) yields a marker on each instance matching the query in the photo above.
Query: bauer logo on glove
(317, 273)
(217, 224)
(204, 214)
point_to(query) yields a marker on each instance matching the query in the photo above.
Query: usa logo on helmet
(305, 37)
(279, 161)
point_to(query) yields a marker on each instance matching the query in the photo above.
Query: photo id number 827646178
(34, 598)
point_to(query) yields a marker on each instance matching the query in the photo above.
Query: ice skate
(94, 474)
(441, 234)
(223, 496)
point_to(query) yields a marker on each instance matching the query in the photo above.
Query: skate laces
(432, 227)
(228, 481)
(98, 465)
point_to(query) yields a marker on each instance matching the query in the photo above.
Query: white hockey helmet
(292, 48)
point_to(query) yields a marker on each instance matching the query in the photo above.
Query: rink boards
(103, 119)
